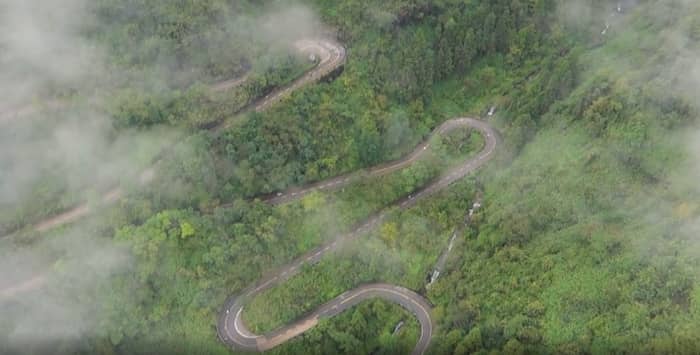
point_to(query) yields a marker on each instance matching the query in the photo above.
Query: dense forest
(586, 243)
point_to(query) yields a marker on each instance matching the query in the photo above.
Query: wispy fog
(286, 23)
(42, 50)
(69, 151)
(665, 36)
(73, 146)
(42, 309)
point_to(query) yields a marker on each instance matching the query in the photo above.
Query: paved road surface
(230, 328)
(332, 56)
(233, 332)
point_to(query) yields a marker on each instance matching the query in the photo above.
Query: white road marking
(238, 330)
(327, 59)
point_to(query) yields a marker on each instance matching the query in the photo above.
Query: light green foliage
(585, 243)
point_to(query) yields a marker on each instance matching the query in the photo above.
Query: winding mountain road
(230, 327)
(331, 57)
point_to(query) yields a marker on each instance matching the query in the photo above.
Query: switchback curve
(230, 327)
(331, 57)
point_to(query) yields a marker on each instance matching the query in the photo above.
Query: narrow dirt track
(332, 56)
(27, 285)
(9, 114)
(230, 327)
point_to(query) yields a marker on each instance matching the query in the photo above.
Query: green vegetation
(586, 242)
(366, 330)
(156, 78)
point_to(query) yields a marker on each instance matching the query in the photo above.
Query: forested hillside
(586, 243)
(152, 64)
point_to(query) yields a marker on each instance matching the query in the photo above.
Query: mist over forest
(144, 179)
